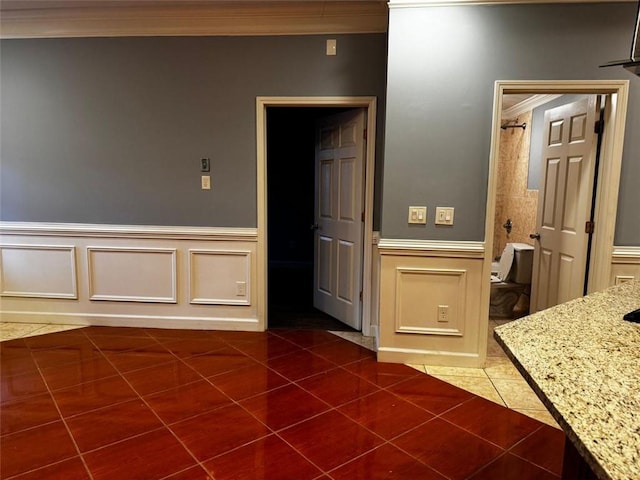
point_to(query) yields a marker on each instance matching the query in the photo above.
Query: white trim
(609, 179)
(451, 249)
(244, 300)
(113, 19)
(73, 295)
(430, 357)
(462, 290)
(627, 255)
(146, 321)
(370, 103)
(528, 105)
(160, 300)
(172, 298)
(393, 4)
(127, 231)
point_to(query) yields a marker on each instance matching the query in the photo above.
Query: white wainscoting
(210, 274)
(38, 271)
(417, 279)
(132, 274)
(122, 275)
(625, 264)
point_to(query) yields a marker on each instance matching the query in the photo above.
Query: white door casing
(564, 206)
(338, 238)
(370, 104)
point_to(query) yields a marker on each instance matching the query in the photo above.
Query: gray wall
(443, 63)
(111, 130)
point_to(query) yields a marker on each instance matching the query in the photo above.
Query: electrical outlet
(443, 313)
(241, 289)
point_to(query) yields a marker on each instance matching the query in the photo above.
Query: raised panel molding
(219, 277)
(128, 275)
(417, 303)
(625, 265)
(38, 271)
(416, 278)
(132, 274)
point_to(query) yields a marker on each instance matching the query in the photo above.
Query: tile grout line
(164, 425)
(64, 422)
(290, 382)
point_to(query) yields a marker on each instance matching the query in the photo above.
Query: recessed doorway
(596, 259)
(284, 256)
(291, 218)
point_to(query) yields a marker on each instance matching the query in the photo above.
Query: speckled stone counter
(583, 361)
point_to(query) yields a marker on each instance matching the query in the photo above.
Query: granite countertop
(583, 361)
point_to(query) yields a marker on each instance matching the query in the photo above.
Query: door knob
(534, 236)
(315, 226)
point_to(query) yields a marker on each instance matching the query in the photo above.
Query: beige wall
(513, 199)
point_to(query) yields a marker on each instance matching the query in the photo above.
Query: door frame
(608, 179)
(262, 103)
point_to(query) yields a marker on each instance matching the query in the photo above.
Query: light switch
(418, 215)
(206, 182)
(444, 215)
(331, 47)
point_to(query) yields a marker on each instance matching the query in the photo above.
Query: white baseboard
(429, 357)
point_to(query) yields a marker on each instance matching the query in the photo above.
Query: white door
(564, 203)
(340, 147)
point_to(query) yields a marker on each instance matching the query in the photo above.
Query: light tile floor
(499, 381)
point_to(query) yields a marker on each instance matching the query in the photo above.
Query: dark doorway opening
(290, 215)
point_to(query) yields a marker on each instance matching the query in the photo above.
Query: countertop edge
(591, 460)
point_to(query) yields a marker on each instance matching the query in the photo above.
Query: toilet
(510, 279)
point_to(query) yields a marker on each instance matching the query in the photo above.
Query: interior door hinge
(589, 227)
(364, 134)
(361, 296)
(599, 127)
(362, 217)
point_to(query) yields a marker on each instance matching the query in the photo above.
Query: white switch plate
(443, 313)
(444, 215)
(418, 215)
(206, 182)
(332, 47)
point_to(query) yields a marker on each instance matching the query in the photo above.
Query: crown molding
(528, 105)
(204, 18)
(393, 4)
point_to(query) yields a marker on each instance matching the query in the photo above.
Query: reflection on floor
(304, 316)
(133, 403)
(499, 381)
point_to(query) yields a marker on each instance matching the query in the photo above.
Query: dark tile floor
(129, 403)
